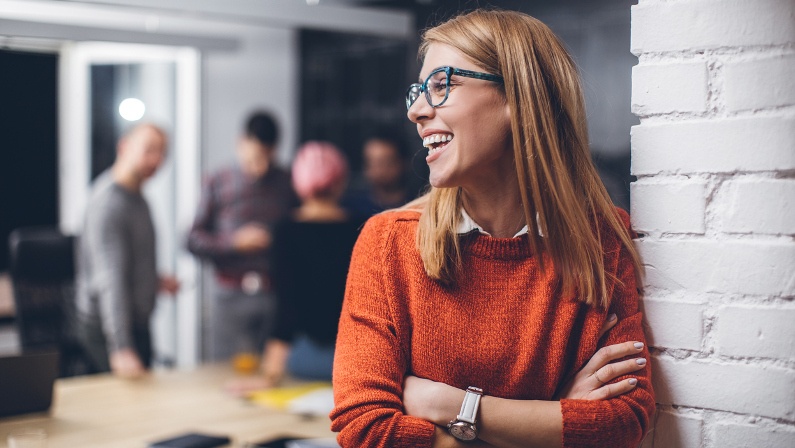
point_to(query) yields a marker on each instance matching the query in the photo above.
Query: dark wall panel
(28, 143)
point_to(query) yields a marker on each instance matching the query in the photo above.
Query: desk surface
(103, 411)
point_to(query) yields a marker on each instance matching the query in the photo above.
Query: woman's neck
(497, 208)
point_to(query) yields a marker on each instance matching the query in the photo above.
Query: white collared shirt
(467, 224)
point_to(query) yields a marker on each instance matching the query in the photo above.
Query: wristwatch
(463, 427)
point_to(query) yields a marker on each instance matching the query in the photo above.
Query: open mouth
(436, 142)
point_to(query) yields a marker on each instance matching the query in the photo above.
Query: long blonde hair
(562, 195)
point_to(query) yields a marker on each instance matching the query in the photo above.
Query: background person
(233, 229)
(117, 280)
(385, 181)
(311, 253)
(495, 287)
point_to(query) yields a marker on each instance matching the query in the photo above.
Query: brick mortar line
(767, 301)
(725, 416)
(683, 355)
(664, 178)
(729, 53)
(721, 237)
(703, 175)
(715, 112)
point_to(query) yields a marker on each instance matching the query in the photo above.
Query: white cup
(27, 438)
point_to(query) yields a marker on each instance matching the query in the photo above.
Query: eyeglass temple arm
(477, 75)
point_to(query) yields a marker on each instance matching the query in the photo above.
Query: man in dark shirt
(238, 209)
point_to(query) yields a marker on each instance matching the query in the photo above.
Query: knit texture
(505, 328)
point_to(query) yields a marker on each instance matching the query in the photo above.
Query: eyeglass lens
(436, 88)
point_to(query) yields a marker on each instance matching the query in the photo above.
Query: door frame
(75, 164)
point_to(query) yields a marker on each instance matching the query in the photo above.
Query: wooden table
(103, 411)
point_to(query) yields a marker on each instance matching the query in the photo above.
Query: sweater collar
(466, 225)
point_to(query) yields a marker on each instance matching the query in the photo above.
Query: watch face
(463, 431)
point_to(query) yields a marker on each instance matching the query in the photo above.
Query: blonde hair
(562, 195)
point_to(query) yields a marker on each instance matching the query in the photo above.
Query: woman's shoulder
(609, 232)
(390, 225)
(394, 217)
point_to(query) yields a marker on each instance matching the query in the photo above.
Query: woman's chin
(439, 182)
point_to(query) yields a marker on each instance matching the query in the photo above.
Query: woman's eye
(438, 86)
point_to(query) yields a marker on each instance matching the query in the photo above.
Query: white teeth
(435, 138)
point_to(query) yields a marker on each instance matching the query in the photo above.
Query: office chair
(43, 281)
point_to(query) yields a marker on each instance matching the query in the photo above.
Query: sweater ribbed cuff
(414, 432)
(586, 423)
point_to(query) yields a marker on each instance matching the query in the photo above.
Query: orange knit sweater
(504, 328)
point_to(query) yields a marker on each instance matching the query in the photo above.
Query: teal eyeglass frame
(416, 89)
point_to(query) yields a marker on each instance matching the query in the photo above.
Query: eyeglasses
(437, 85)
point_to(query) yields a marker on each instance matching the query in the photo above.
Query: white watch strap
(469, 408)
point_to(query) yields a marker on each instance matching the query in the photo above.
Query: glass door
(105, 88)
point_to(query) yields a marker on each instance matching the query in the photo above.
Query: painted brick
(746, 389)
(728, 435)
(674, 431)
(754, 331)
(675, 206)
(760, 83)
(673, 324)
(722, 266)
(758, 205)
(723, 145)
(704, 24)
(665, 88)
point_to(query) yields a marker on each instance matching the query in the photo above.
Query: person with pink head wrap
(319, 171)
(310, 256)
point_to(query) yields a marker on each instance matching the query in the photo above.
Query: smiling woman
(500, 309)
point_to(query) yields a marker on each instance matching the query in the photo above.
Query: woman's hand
(273, 369)
(243, 386)
(438, 403)
(430, 400)
(593, 381)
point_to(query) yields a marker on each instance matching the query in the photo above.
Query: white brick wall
(674, 430)
(652, 86)
(677, 205)
(714, 154)
(754, 331)
(771, 78)
(674, 323)
(713, 145)
(746, 213)
(753, 435)
(687, 25)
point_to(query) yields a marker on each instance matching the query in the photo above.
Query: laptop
(26, 382)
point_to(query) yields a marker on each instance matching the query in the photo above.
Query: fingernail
(633, 381)
(612, 317)
(639, 345)
(641, 361)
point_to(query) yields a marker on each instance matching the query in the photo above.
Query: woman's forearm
(441, 439)
(501, 422)
(520, 423)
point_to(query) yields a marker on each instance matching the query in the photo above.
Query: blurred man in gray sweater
(117, 280)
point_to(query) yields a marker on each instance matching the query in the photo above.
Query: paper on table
(319, 402)
(310, 398)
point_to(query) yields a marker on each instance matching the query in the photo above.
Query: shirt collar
(466, 224)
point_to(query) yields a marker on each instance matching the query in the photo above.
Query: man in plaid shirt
(239, 207)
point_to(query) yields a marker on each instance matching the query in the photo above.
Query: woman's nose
(420, 110)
